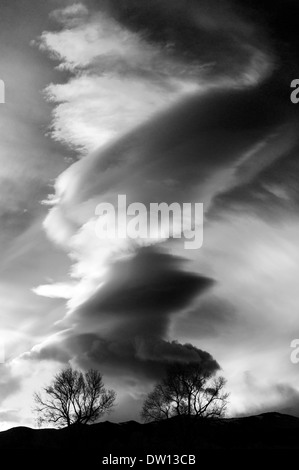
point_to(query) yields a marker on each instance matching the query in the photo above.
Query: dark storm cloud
(122, 328)
(127, 357)
(141, 357)
(143, 292)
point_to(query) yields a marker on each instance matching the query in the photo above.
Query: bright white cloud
(58, 290)
(93, 110)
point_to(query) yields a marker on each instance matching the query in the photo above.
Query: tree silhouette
(74, 397)
(188, 390)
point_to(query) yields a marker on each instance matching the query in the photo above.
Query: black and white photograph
(149, 228)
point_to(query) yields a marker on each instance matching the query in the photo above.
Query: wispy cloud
(112, 61)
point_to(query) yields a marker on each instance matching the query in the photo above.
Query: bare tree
(157, 406)
(74, 397)
(188, 390)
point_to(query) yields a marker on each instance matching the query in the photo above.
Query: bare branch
(74, 397)
(187, 389)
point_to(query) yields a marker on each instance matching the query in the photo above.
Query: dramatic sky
(163, 101)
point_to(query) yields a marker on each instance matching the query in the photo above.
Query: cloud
(265, 184)
(57, 290)
(114, 63)
(120, 46)
(174, 157)
(289, 400)
(9, 382)
(139, 359)
(70, 15)
(211, 317)
(9, 415)
(207, 31)
(152, 282)
(277, 397)
(156, 56)
(124, 325)
(185, 104)
(92, 110)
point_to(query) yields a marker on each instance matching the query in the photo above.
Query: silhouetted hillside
(265, 431)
